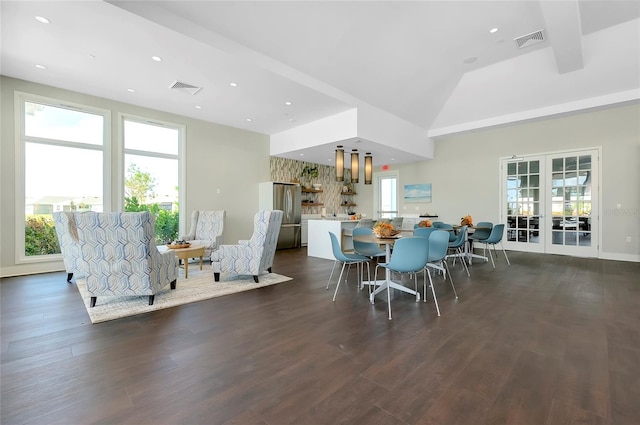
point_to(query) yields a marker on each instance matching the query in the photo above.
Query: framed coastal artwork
(417, 192)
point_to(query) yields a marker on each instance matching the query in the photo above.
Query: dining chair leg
(464, 263)
(505, 253)
(433, 291)
(493, 263)
(389, 292)
(339, 279)
(368, 276)
(375, 279)
(331, 275)
(451, 279)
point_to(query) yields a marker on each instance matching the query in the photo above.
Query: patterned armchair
(67, 239)
(118, 252)
(253, 256)
(206, 229)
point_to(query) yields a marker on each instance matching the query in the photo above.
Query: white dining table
(381, 285)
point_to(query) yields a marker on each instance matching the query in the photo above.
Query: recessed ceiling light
(131, 90)
(287, 103)
(493, 30)
(156, 58)
(198, 107)
(43, 20)
(40, 66)
(233, 84)
(249, 120)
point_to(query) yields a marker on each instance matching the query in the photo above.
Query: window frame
(20, 99)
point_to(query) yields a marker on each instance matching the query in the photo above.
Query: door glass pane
(557, 164)
(557, 180)
(571, 163)
(534, 166)
(523, 167)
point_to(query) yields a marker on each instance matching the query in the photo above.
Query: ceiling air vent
(188, 88)
(529, 39)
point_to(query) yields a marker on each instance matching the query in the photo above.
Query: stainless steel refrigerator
(286, 197)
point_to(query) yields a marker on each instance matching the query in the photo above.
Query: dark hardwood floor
(547, 340)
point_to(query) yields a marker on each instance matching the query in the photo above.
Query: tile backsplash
(288, 170)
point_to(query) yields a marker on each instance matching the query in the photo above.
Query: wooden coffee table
(184, 254)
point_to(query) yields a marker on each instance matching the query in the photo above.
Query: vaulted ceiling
(434, 66)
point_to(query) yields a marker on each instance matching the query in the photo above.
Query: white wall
(465, 171)
(217, 157)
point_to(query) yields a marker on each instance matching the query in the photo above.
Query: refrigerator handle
(288, 205)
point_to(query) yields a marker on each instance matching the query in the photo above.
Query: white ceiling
(409, 59)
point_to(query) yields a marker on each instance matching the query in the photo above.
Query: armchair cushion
(206, 229)
(253, 256)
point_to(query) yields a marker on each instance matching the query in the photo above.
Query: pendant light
(368, 168)
(355, 165)
(339, 164)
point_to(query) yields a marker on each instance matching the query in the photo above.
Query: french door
(549, 203)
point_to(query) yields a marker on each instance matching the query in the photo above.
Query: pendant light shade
(339, 164)
(368, 168)
(355, 165)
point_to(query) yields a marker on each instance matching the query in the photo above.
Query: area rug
(199, 286)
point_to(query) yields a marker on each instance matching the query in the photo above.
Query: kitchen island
(319, 242)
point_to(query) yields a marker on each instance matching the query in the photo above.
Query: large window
(63, 149)
(152, 177)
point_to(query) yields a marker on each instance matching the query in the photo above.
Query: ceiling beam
(564, 29)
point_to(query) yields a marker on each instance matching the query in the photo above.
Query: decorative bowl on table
(385, 230)
(178, 245)
(317, 186)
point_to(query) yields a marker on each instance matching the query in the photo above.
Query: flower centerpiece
(424, 223)
(466, 221)
(384, 230)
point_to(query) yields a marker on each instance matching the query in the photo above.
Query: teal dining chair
(438, 247)
(459, 247)
(346, 260)
(410, 255)
(423, 231)
(368, 249)
(445, 226)
(495, 238)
